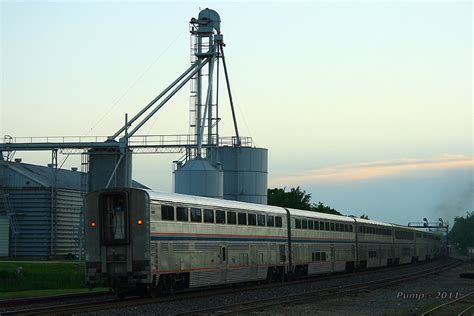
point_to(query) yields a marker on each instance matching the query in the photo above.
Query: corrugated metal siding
(4, 235)
(32, 208)
(67, 221)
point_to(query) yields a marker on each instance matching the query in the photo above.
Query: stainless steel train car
(158, 242)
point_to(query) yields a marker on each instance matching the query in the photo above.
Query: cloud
(375, 169)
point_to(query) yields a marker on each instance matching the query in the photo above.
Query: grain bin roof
(66, 179)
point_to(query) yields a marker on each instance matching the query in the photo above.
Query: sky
(366, 105)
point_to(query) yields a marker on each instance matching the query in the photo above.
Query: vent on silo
(74, 168)
(18, 160)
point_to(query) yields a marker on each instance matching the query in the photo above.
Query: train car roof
(319, 215)
(368, 221)
(192, 199)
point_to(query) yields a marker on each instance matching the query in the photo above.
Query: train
(151, 242)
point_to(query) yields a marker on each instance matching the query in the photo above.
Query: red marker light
(139, 222)
(93, 224)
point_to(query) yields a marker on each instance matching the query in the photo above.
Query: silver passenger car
(158, 242)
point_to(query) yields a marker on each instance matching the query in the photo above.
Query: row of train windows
(185, 214)
(421, 235)
(402, 234)
(375, 230)
(319, 225)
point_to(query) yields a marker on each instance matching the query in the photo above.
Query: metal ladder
(10, 211)
(79, 239)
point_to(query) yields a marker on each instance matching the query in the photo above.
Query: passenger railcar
(144, 240)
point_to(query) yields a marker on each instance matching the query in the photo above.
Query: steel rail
(458, 300)
(43, 299)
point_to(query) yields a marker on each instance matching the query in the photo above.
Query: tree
(462, 233)
(298, 199)
(320, 207)
(295, 198)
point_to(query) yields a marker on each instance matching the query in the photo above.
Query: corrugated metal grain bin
(4, 235)
(199, 177)
(245, 173)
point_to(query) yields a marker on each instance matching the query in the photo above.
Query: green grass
(41, 276)
(36, 293)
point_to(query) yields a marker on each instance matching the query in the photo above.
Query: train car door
(333, 258)
(224, 255)
(380, 255)
(253, 262)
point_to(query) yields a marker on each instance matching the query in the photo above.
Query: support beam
(230, 96)
(146, 108)
(196, 69)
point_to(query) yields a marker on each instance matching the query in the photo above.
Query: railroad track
(320, 293)
(462, 306)
(46, 299)
(113, 303)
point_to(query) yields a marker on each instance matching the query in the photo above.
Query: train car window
(208, 216)
(323, 256)
(242, 218)
(167, 213)
(196, 215)
(278, 221)
(252, 219)
(338, 227)
(270, 221)
(261, 220)
(231, 218)
(317, 256)
(220, 217)
(310, 224)
(297, 223)
(350, 228)
(316, 225)
(114, 214)
(304, 224)
(332, 227)
(182, 214)
(326, 225)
